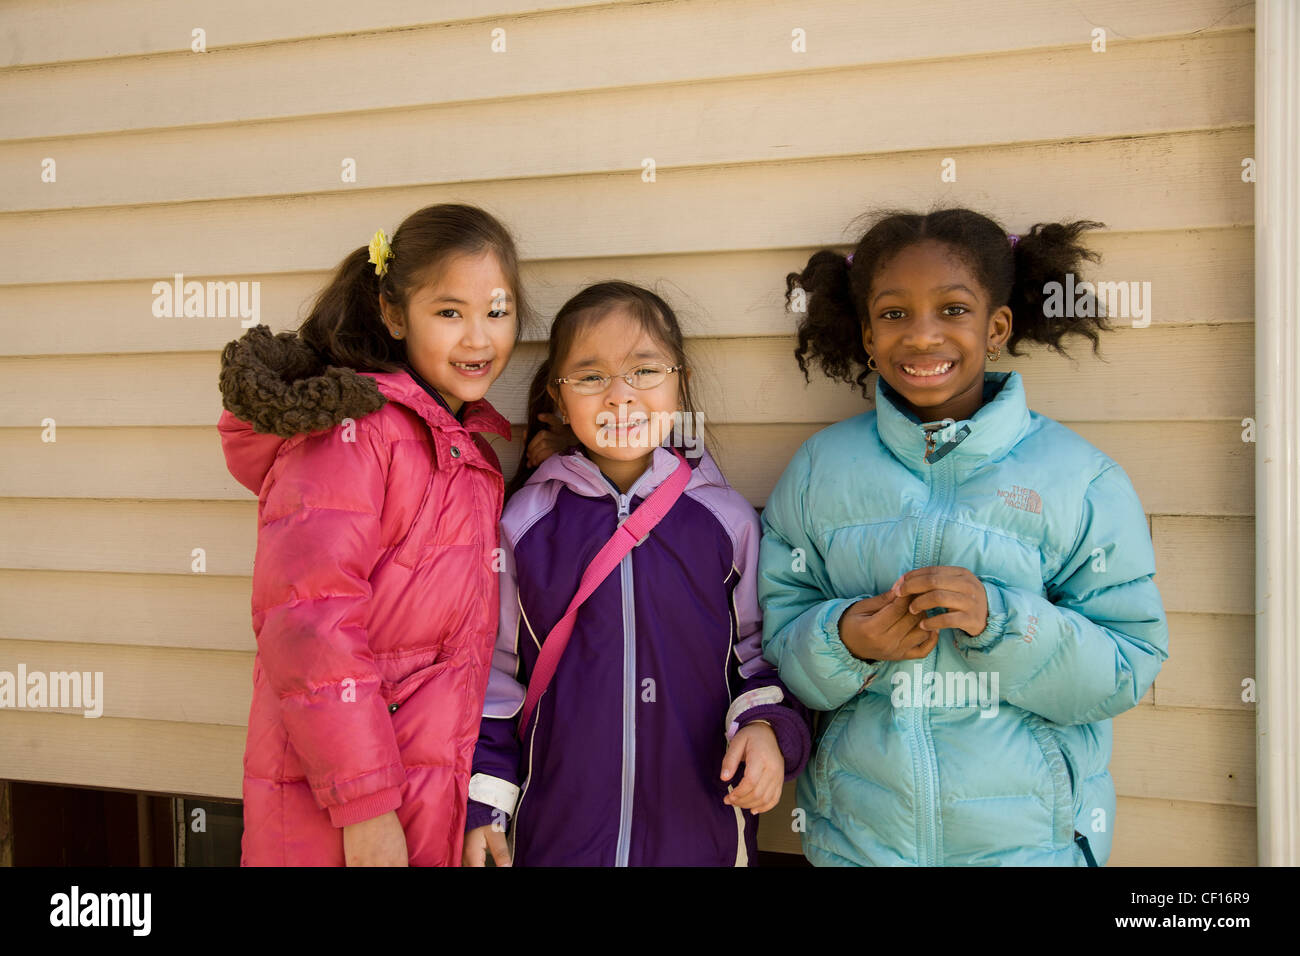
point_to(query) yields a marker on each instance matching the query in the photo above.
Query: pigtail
(830, 332)
(1048, 261)
(345, 326)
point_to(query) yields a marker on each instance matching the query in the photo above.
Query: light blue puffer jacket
(915, 765)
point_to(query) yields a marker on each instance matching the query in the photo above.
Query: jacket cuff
(750, 699)
(364, 808)
(480, 815)
(996, 624)
(494, 791)
(791, 734)
(839, 650)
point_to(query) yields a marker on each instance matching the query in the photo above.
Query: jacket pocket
(396, 693)
(822, 760)
(1062, 780)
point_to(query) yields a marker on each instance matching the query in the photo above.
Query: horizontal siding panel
(149, 683)
(186, 462)
(1151, 832)
(1163, 86)
(201, 760)
(1155, 454)
(620, 46)
(1205, 565)
(1143, 377)
(1198, 276)
(1210, 655)
(152, 537)
(207, 612)
(754, 206)
(37, 31)
(1184, 754)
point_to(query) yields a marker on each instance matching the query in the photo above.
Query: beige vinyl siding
(226, 166)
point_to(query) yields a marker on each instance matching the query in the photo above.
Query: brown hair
(577, 315)
(345, 326)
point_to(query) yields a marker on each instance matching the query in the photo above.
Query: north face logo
(1026, 499)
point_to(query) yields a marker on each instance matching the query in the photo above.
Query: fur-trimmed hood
(281, 386)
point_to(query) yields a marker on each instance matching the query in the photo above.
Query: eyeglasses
(591, 382)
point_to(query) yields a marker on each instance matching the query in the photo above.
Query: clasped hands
(893, 626)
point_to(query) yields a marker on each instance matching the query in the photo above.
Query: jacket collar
(582, 476)
(994, 429)
(478, 416)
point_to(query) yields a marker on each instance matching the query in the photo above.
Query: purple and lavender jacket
(620, 765)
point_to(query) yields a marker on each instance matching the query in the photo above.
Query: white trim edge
(757, 697)
(1277, 421)
(493, 791)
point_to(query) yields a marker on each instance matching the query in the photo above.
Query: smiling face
(621, 426)
(459, 327)
(930, 325)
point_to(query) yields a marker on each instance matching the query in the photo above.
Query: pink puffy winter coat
(375, 610)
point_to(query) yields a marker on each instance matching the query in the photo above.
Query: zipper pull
(930, 430)
(622, 508)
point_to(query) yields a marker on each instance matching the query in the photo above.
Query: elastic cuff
(996, 624)
(482, 815)
(758, 697)
(791, 735)
(843, 656)
(365, 808)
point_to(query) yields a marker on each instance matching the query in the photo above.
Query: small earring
(995, 354)
(396, 335)
(871, 363)
(564, 419)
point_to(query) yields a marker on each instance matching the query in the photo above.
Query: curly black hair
(835, 291)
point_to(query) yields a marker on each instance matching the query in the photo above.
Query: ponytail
(1051, 253)
(830, 332)
(345, 326)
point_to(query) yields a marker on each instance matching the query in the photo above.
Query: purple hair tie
(1013, 240)
(848, 260)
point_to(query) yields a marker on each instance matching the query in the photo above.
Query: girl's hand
(483, 840)
(956, 589)
(556, 437)
(881, 628)
(379, 841)
(760, 790)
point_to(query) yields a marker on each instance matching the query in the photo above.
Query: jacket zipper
(628, 774)
(629, 700)
(622, 849)
(941, 486)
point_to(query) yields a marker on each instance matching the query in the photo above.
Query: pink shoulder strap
(635, 527)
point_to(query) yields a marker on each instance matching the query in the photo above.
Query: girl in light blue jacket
(962, 585)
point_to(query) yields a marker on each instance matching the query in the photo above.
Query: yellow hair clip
(380, 252)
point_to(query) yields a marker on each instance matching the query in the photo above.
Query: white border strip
(1277, 417)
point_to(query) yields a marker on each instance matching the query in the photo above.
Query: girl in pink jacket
(374, 591)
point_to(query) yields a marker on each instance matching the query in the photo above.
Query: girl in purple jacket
(633, 753)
